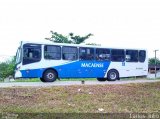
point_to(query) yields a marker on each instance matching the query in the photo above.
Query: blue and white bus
(49, 61)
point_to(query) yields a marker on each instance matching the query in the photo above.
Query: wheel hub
(50, 75)
(113, 75)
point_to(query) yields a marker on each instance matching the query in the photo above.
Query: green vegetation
(7, 68)
(69, 79)
(80, 79)
(85, 79)
(152, 61)
(28, 80)
(128, 98)
(71, 38)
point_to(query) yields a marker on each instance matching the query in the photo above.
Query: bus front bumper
(17, 74)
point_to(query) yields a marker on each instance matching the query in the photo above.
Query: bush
(7, 68)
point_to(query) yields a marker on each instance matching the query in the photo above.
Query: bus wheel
(42, 79)
(112, 75)
(101, 79)
(49, 75)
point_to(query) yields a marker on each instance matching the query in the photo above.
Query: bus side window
(52, 52)
(117, 55)
(35, 54)
(86, 53)
(31, 53)
(69, 53)
(28, 53)
(102, 54)
(128, 58)
(142, 55)
(131, 55)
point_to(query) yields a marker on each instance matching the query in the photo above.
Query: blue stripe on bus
(32, 73)
(77, 69)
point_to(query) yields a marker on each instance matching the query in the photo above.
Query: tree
(58, 38)
(71, 38)
(79, 39)
(152, 61)
(7, 68)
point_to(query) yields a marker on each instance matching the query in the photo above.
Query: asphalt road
(69, 83)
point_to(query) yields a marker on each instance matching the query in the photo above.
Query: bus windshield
(18, 56)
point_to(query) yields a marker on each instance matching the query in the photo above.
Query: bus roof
(77, 45)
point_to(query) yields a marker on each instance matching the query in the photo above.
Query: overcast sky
(118, 23)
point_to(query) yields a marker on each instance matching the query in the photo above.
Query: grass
(85, 79)
(65, 79)
(28, 80)
(128, 98)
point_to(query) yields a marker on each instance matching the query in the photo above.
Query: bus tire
(50, 75)
(101, 79)
(42, 79)
(112, 75)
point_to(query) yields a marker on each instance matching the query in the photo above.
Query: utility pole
(155, 63)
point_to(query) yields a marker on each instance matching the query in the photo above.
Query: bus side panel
(83, 69)
(37, 69)
(127, 69)
(74, 69)
(32, 73)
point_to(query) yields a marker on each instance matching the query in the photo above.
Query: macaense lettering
(100, 65)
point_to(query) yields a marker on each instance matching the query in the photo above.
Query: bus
(50, 61)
